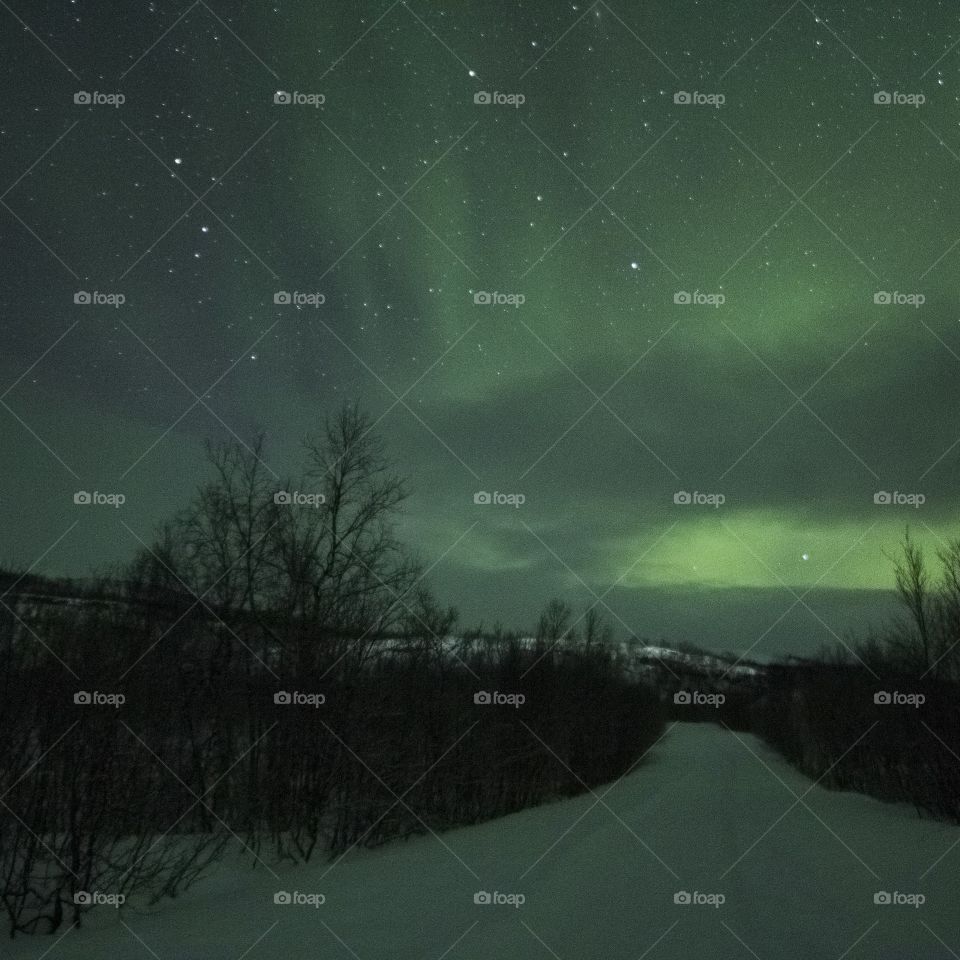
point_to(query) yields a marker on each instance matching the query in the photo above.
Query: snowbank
(711, 814)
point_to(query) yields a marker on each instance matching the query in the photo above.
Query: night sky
(597, 201)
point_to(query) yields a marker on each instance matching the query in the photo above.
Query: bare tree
(554, 623)
(596, 631)
(913, 586)
(314, 562)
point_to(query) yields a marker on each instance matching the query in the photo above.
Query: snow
(702, 661)
(709, 811)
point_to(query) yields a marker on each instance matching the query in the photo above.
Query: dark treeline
(882, 715)
(293, 692)
(823, 716)
(879, 715)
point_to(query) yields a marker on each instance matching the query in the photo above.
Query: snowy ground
(711, 812)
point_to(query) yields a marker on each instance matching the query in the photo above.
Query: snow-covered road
(710, 813)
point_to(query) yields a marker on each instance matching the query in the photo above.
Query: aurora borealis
(599, 200)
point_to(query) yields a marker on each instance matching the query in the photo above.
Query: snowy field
(713, 814)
